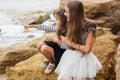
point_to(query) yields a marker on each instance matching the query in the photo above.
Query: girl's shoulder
(91, 24)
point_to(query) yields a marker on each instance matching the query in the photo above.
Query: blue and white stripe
(46, 28)
(64, 46)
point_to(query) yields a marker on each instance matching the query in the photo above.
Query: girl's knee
(39, 45)
(44, 48)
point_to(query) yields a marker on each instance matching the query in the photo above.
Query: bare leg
(47, 51)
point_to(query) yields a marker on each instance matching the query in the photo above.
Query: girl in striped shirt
(52, 50)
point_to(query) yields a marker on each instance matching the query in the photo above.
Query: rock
(32, 65)
(29, 70)
(118, 33)
(14, 55)
(30, 36)
(107, 17)
(99, 32)
(3, 77)
(117, 68)
(41, 19)
(104, 12)
(116, 29)
(104, 48)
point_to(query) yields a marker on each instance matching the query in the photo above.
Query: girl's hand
(65, 40)
(56, 40)
(27, 26)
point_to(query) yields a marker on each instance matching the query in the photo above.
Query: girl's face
(67, 14)
(57, 21)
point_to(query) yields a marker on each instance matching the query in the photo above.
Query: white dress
(76, 66)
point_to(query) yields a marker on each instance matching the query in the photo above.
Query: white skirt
(76, 66)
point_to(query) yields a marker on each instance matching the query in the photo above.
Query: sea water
(12, 33)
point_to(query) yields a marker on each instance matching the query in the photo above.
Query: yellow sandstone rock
(105, 48)
(29, 69)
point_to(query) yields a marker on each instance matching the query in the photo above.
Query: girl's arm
(31, 26)
(83, 48)
(41, 27)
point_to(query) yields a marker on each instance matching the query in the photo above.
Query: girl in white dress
(78, 62)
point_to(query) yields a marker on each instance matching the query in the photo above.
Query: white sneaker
(50, 68)
(44, 64)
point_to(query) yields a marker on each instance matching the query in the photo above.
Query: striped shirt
(64, 46)
(46, 28)
(52, 29)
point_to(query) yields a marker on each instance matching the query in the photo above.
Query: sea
(12, 15)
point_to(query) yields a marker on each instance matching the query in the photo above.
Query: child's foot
(50, 68)
(44, 64)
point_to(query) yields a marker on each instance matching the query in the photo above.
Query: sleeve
(46, 28)
(64, 46)
(92, 26)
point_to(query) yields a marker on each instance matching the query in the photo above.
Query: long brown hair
(62, 29)
(76, 21)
